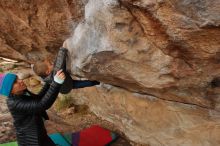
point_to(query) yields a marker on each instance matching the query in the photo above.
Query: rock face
(150, 47)
(166, 52)
(33, 29)
(161, 58)
(6, 125)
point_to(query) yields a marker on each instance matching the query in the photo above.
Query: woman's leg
(48, 142)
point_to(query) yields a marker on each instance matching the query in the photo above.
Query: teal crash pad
(59, 140)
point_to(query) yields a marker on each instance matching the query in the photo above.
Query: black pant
(47, 141)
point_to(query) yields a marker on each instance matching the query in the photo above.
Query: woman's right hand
(59, 77)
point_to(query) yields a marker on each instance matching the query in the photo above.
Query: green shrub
(63, 102)
(15, 66)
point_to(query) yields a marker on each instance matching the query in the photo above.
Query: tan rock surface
(149, 120)
(150, 47)
(165, 54)
(33, 29)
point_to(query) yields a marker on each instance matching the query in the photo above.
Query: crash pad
(93, 136)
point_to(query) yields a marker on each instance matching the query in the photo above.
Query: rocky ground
(63, 117)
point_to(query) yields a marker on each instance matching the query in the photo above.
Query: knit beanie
(6, 83)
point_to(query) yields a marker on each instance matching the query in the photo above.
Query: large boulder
(150, 47)
(165, 50)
